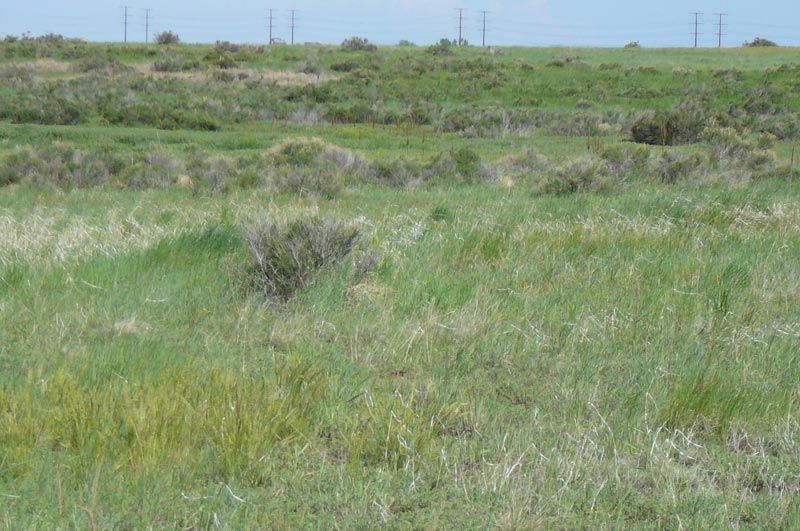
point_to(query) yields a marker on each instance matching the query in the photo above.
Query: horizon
(510, 23)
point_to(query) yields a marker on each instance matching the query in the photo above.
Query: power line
(720, 25)
(696, 24)
(483, 32)
(147, 26)
(126, 22)
(293, 11)
(460, 25)
(270, 27)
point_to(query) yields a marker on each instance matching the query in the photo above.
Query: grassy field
(540, 323)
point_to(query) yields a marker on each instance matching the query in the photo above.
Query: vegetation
(167, 37)
(255, 287)
(760, 42)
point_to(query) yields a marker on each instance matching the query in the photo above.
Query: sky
(508, 22)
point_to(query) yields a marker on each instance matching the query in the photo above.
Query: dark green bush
(760, 42)
(167, 37)
(358, 44)
(287, 256)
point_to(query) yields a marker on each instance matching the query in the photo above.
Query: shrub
(220, 59)
(633, 45)
(58, 164)
(167, 37)
(583, 175)
(525, 164)
(358, 44)
(225, 46)
(651, 128)
(344, 66)
(684, 124)
(467, 162)
(671, 166)
(172, 63)
(99, 64)
(760, 42)
(406, 44)
(311, 166)
(287, 256)
(443, 47)
(625, 159)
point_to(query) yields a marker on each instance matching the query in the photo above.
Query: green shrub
(467, 162)
(684, 124)
(760, 42)
(358, 44)
(443, 47)
(671, 166)
(287, 256)
(583, 175)
(167, 37)
(220, 59)
(625, 159)
(170, 62)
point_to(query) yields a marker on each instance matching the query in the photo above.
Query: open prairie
(253, 287)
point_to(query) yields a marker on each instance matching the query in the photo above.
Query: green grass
(625, 358)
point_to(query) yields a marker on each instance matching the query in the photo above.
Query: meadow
(412, 287)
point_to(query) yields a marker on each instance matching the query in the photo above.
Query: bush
(760, 42)
(287, 256)
(167, 37)
(311, 166)
(358, 44)
(671, 166)
(172, 63)
(345, 66)
(406, 44)
(443, 47)
(99, 64)
(220, 59)
(684, 124)
(633, 45)
(582, 175)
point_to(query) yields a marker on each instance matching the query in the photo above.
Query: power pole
(460, 24)
(270, 27)
(293, 11)
(720, 25)
(147, 26)
(126, 22)
(697, 24)
(484, 13)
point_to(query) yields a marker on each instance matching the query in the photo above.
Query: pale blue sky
(532, 22)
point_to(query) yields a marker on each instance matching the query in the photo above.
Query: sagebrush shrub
(288, 255)
(358, 44)
(167, 37)
(587, 174)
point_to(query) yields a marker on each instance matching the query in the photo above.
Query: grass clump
(287, 256)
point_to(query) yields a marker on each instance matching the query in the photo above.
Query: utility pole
(270, 27)
(720, 25)
(460, 24)
(293, 11)
(126, 22)
(697, 23)
(484, 13)
(147, 26)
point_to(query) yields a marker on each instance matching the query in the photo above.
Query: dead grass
(278, 77)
